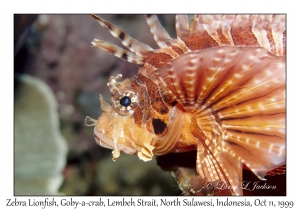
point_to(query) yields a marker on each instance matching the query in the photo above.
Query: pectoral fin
(220, 166)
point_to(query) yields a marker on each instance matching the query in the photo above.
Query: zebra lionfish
(218, 88)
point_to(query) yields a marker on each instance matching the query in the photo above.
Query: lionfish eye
(125, 101)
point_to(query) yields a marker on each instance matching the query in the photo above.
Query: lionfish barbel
(218, 88)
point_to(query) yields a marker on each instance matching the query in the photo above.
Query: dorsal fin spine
(117, 51)
(136, 47)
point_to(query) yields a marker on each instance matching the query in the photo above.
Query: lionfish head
(136, 122)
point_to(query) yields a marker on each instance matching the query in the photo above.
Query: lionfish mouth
(106, 142)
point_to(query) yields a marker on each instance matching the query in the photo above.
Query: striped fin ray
(159, 33)
(261, 24)
(241, 31)
(168, 45)
(117, 51)
(259, 85)
(198, 38)
(273, 103)
(215, 158)
(255, 150)
(225, 30)
(182, 25)
(278, 30)
(211, 24)
(136, 47)
(214, 164)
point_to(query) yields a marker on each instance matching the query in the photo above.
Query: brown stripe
(122, 35)
(223, 39)
(271, 41)
(158, 59)
(156, 99)
(199, 42)
(178, 50)
(243, 36)
(138, 115)
(124, 56)
(284, 43)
